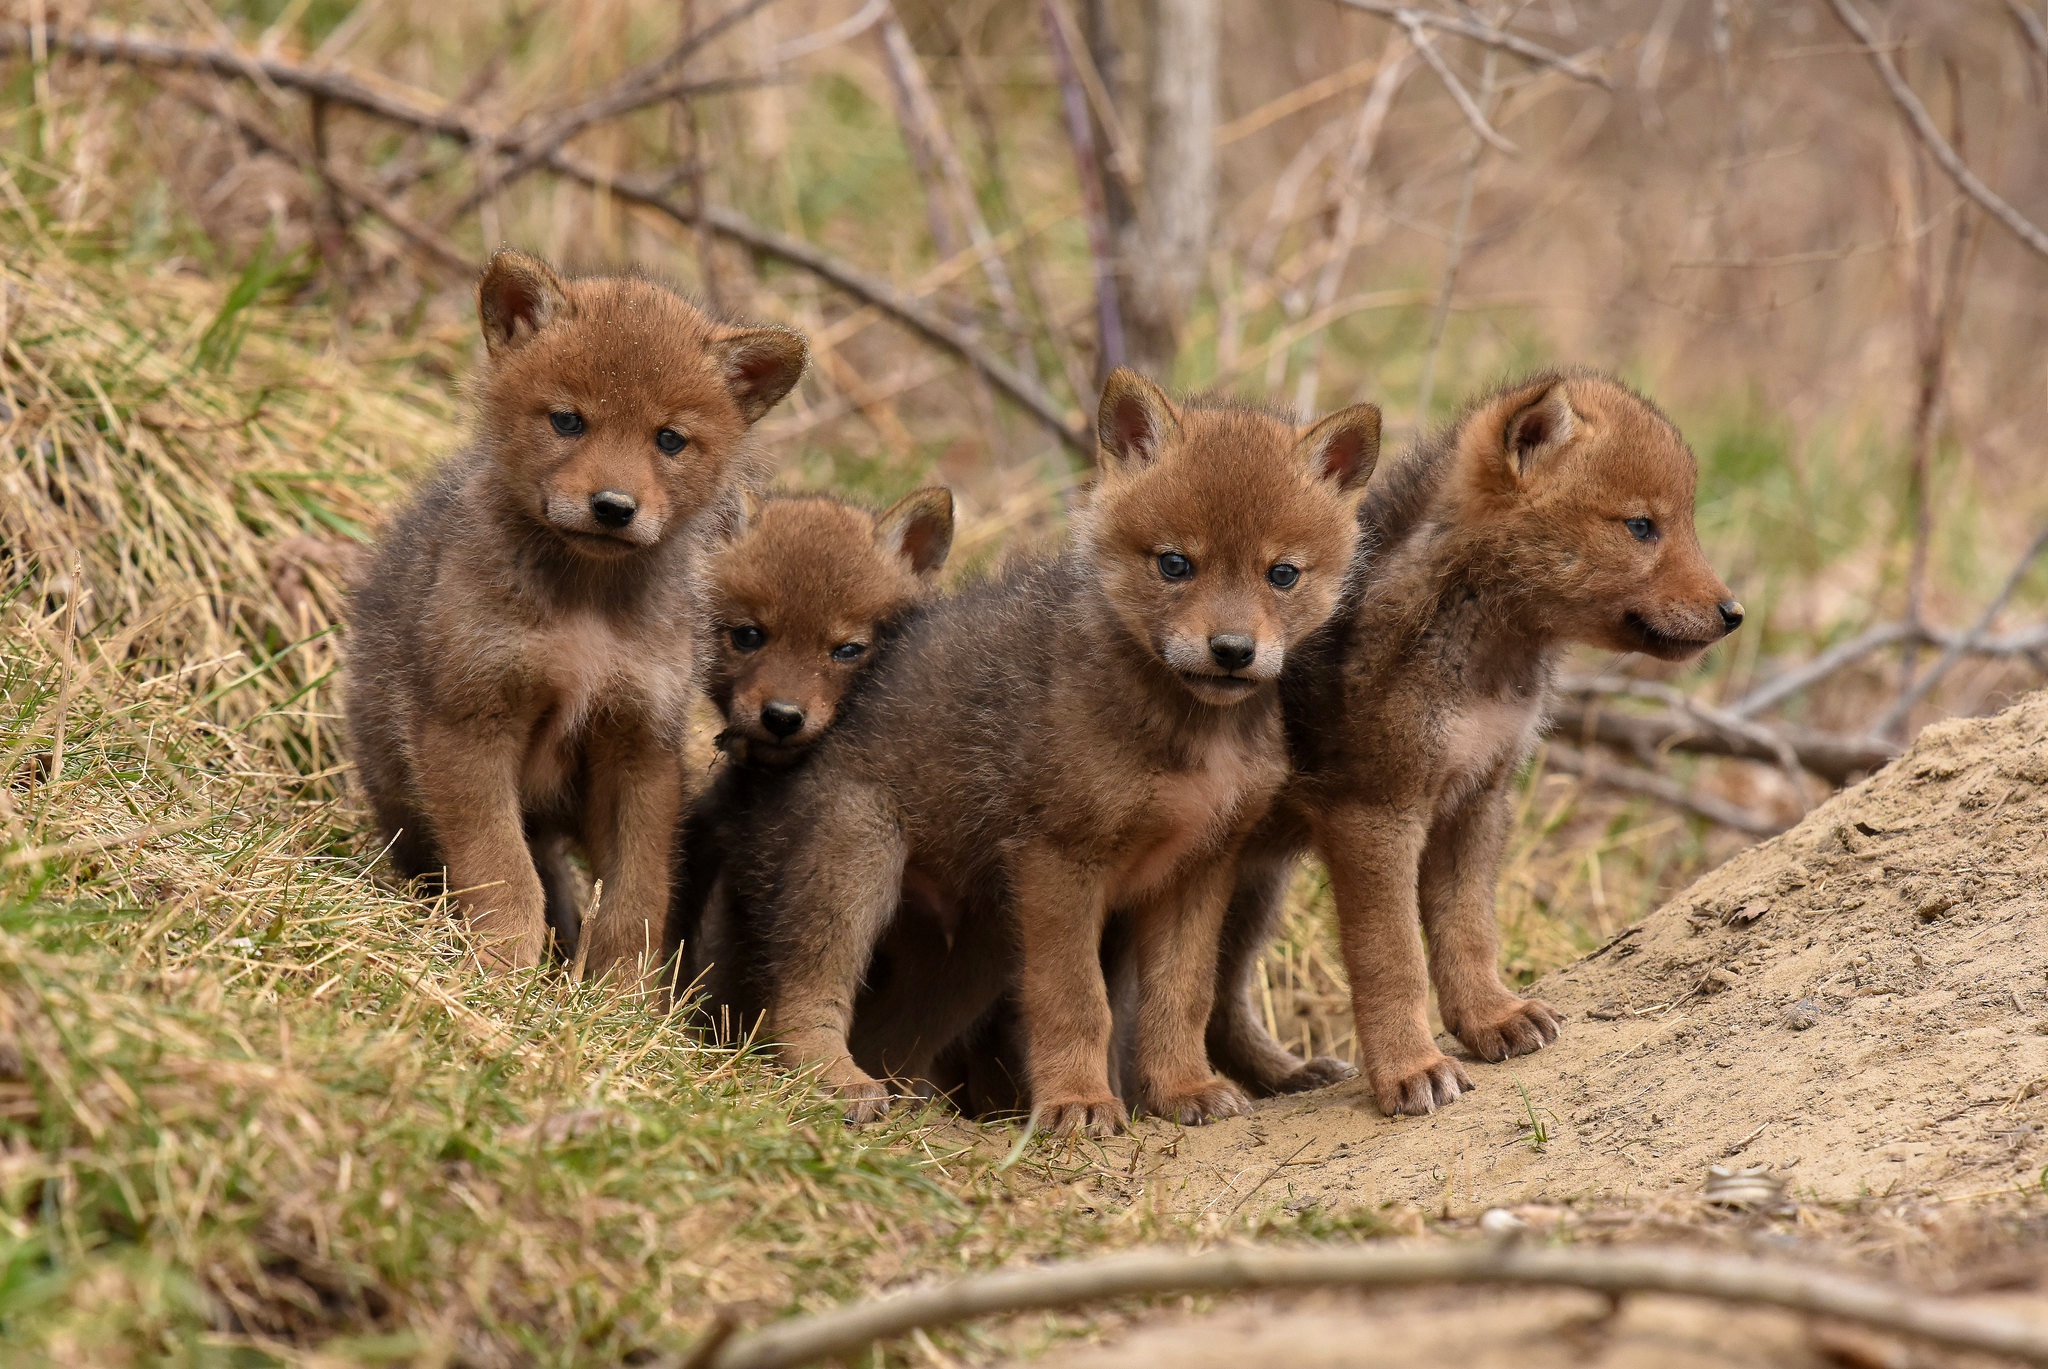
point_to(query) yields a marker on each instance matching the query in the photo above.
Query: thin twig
(1923, 124)
(1899, 710)
(1111, 348)
(1462, 220)
(2030, 25)
(1574, 67)
(402, 107)
(1594, 769)
(1395, 64)
(1738, 729)
(1469, 107)
(1796, 1287)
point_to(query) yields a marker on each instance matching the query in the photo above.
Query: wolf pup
(798, 604)
(1086, 734)
(1558, 510)
(524, 648)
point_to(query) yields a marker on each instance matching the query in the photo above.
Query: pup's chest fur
(585, 671)
(1192, 810)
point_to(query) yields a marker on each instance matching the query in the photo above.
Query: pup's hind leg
(1239, 1043)
(837, 897)
(1459, 871)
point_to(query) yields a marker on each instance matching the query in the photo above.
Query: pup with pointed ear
(617, 411)
(1222, 533)
(801, 598)
(524, 650)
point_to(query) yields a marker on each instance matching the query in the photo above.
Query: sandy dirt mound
(1860, 1003)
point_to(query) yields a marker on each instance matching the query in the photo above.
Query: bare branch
(1596, 769)
(408, 108)
(1923, 124)
(1467, 106)
(1574, 67)
(1780, 688)
(1798, 1287)
(2031, 25)
(1836, 759)
(1899, 710)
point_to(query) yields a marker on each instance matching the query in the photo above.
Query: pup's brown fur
(1084, 735)
(1491, 546)
(800, 602)
(524, 646)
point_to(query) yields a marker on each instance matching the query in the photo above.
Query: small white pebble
(242, 943)
(1498, 1221)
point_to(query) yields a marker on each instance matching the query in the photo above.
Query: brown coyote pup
(524, 646)
(1086, 734)
(1557, 510)
(799, 603)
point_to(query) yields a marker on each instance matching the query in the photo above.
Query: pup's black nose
(612, 508)
(1731, 615)
(781, 719)
(1232, 650)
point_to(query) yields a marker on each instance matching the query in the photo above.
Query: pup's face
(1222, 535)
(1590, 491)
(797, 600)
(617, 410)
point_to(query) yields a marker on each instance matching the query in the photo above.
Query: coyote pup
(799, 604)
(1088, 734)
(1557, 510)
(524, 645)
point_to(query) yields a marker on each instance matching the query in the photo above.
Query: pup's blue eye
(849, 651)
(1642, 529)
(1174, 566)
(670, 441)
(1283, 576)
(747, 637)
(567, 422)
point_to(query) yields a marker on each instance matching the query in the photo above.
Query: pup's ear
(734, 516)
(1136, 421)
(517, 297)
(1343, 447)
(761, 365)
(1538, 430)
(918, 528)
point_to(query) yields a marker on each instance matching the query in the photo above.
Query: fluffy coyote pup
(1087, 734)
(1557, 510)
(524, 646)
(798, 605)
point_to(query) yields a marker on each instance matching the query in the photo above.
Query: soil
(1860, 1005)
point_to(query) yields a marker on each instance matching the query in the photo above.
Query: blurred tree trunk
(1163, 226)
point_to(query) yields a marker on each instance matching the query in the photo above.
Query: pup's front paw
(1209, 1101)
(1515, 1026)
(1317, 1073)
(1418, 1087)
(1096, 1117)
(862, 1098)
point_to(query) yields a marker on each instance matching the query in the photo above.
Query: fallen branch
(1923, 124)
(1719, 1278)
(1483, 33)
(402, 107)
(2031, 25)
(1594, 769)
(1836, 759)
